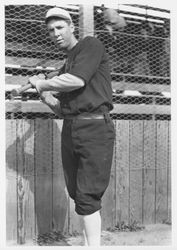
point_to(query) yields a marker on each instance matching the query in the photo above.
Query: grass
(125, 227)
(49, 238)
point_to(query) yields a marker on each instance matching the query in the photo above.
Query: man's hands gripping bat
(18, 91)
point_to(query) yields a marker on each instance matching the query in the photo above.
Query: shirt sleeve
(64, 82)
(88, 59)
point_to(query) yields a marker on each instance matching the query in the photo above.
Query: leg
(87, 156)
(69, 159)
(92, 228)
(91, 223)
(95, 148)
(83, 230)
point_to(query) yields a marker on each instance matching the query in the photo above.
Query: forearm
(63, 83)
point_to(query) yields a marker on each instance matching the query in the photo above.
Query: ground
(154, 235)
(157, 235)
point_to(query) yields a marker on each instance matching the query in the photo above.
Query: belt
(86, 116)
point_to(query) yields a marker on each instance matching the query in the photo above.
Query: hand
(33, 79)
(44, 96)
(52, 102)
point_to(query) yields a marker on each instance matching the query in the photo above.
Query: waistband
(88, 116)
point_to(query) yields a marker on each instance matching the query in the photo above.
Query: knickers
(87, 149)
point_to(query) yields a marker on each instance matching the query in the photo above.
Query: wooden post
(86, 21)
(149, 162)
(11, 182)
(43, 175)
(122, 171)
(162, 172)
(25, 180)
(136, 163)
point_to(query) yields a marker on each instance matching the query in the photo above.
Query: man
(83, 99)
(115, 40)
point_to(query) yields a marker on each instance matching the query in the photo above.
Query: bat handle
(16, 92)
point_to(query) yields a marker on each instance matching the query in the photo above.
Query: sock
(85, 238)
(83, 230)
(92, 228)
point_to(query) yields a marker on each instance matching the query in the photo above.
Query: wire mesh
(138, 49)
(139, 54)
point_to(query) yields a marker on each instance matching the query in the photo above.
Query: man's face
(61, 33)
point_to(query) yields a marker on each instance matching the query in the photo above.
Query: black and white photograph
(88, 123)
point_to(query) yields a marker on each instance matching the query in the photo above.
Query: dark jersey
(89, 61)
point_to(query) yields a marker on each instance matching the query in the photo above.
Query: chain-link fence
(139, 53)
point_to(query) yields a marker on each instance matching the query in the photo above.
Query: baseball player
(83, 98)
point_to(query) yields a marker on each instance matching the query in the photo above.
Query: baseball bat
(18, 91)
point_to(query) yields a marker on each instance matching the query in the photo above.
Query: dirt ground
(156, 235)
(150, 235)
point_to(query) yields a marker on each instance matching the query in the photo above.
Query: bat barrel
(16, 92)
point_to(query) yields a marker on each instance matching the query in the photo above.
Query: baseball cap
(58, 12)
